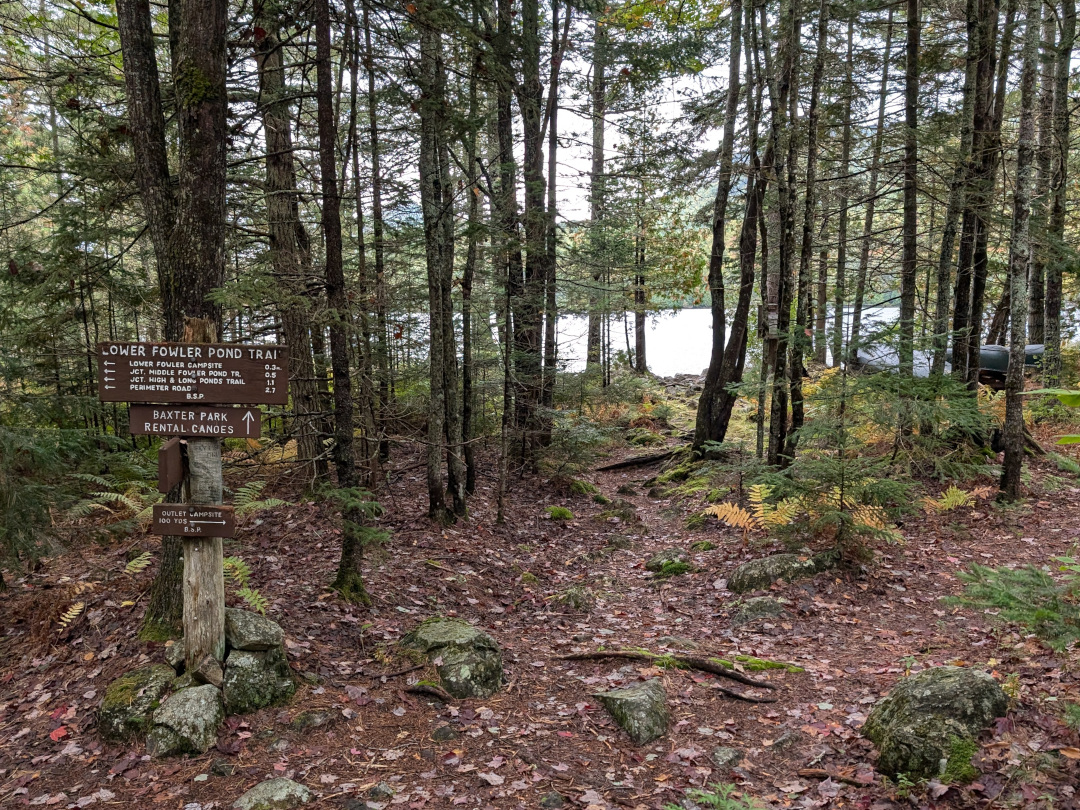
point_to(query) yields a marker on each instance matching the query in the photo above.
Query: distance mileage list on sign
(220, 373)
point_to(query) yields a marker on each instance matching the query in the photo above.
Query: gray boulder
(274, 794)
(245, 630)
(757, 608)
(640, 710)
(255, 679)
(927, 725)
(762, 573)
(130, 701)
(470, 662)
(187, 722)
(668, 555)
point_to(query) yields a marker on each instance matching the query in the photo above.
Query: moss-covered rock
(469, 660)
(762, 573)
(757, 608)
(274, 794)
(187, 722)
(255, 679)
(245, 630)
(130, 702)
(643, 437)
(640, 710)
(667, 556)
(927, 725)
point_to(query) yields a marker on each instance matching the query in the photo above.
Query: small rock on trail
(640, 710)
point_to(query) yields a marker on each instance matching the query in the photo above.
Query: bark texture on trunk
(349, 581)
(289, 265)
(712, 421)
(1019, 258)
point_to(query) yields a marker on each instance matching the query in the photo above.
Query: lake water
(676, 342)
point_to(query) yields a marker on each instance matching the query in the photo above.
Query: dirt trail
(854, 636)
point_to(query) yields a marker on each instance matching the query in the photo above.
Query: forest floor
(854, 634)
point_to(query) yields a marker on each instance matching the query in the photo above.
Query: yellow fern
(733, 515)
(759, 494)
(71, 614)
(954, 498)
(782, 514)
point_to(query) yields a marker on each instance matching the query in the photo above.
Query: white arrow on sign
(214, 522)
(249, 419)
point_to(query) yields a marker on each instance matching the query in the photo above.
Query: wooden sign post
(186, 379)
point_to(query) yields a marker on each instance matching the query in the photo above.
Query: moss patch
(958, 767)
(559, 513)
(703, 545)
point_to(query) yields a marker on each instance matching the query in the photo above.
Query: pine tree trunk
(378, 240)
(871, 199)
(1056, 229)
(783, 97)
(800, 342)
(840, 287)
(596, 186)
(349, 581)
(956, 202)
(283, 221)
(1040, 215)
(909, 259)
(1019, 257)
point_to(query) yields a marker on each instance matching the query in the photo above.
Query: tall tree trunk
(909, 260)
(529, 306)
(349, 581)
(1019, 257)
(783, 97)
(468, 274)
(1056, 230)
(800, 342)
(871, 198)
(956, 202)
(821, 347)
(710, 425)
(840, 289)
(598, 250)
(378, 240)
(283, 220)
(1040, 216)
(164, 613)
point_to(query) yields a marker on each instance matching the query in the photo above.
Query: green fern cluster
(246, 499)
(239, 573)
(719, 797)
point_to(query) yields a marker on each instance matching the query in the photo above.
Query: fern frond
(237, 570)
(255, 600)
(138, 564)
(733, 515)
(759, 495)
(70, 615)
(783, 514)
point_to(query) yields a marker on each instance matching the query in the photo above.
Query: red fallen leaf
(57, 733)
(58, 712)
(565, 733)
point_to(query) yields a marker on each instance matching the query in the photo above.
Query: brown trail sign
(163, 420)
(194, 520)
(189, 373)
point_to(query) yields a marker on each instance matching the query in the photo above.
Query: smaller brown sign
(170, 465)
(194, 520)
(201, 420)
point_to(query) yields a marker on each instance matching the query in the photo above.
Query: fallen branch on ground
(639, 461)
(429, 690)
(821, 773)
(680, 662)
